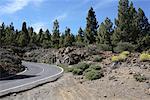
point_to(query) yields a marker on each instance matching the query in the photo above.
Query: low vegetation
(145, 57)
(139, 77)
(93, 74)
(125, 53)
(89, 71)
(121, 57)
(98, 59)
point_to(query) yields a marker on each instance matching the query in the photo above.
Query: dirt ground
(119, 84)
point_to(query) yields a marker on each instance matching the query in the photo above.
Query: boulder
(71, 55)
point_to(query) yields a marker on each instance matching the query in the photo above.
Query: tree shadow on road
(19, 77)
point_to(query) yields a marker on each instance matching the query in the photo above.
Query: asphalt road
(34, 72)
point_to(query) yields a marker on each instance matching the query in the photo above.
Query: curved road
(36, 74)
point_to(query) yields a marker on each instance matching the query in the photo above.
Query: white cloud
(37, 26)
(13, 6)
(60, 17)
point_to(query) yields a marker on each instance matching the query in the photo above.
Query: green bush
(144, 57)
(104, 47)
(79, 44)
(98, 59)
(79, 68)
(125, 53)
(87, 70)
(93, 75)
(82, 66)
(124, 46)
(115, 58)
(77, 71)
(122, 57)
(119, 58)
(139, 77)
(70, 69)
(95, 67)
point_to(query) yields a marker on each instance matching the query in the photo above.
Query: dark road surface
(34, 73)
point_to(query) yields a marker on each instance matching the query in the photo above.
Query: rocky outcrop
(70, 55)
(41, 55)
(9, 63)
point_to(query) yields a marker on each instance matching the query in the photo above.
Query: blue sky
(70, 13)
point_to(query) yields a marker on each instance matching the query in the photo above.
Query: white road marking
(62, 70)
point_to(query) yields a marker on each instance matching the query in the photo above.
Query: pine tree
(105, 33)
(61, 40)
(8, 36)
(47, 39)
(2, 34)
(30, 31)
(69, 39)
(40, 36)
(143, 25)
(133, 24)
(91, 27)
(24, 38)
(122, 32)
(25, 31)
(56, 34)
(32, 36)
(80, 36)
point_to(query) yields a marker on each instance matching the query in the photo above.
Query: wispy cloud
(103, 3)
(13, 6)
(60, 17)
(37, 26)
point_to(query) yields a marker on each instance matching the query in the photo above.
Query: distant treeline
(131, 31)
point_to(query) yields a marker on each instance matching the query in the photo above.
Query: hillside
(10, 63)
(129, 79)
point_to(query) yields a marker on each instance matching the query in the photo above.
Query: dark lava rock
(9, 63)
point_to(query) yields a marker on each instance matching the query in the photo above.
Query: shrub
(115, 59)
(139, 77)
(98, 59)
(69, 69)
(82, 66)
(124, 46)
(92, 50)
(122, 57)
(77, 71)
(87, 70)
(93, 75)
(125, 53)
(144, 57)
(95, 67)
(104, 47)
(79, 44)
(79, 68)
(119, 58)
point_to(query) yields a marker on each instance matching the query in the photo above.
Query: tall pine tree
(80, 36)
(55, 34)
(122, 31)
(24, 37)
(105, 33)
(91, 27)
(69, 39)
(144, 31)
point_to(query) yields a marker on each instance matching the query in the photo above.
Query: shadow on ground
(19, 77)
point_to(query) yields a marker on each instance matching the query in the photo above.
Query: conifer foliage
(91, 27)
(131, 29)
